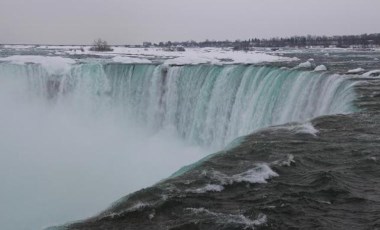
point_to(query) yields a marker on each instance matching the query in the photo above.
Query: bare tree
(100, 45)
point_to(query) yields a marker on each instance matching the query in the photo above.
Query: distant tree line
(360, 41)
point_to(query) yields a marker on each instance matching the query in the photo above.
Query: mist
(62, 161)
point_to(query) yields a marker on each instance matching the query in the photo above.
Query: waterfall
(208, 105)
(79, 136)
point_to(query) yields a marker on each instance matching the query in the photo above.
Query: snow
(191, 56)
(355, 71)
(53, 65)
(190, 61)
(18, 46)
(62, 47)
(124, 59)
(320, 68)
(218, 56)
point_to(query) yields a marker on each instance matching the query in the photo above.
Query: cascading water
(212, 105)
(206, 104)
(85, 117)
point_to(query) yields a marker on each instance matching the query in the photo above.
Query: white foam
(306, 128)
(258, 174)
(152, 215)
(290, 160)
(135, 207)
(138, 206)
(53, 65)
(207, 188)
(223, 218)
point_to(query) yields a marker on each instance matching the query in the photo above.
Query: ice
(53, 65)
(356, 71)
(190, 61)
(18, 46)
(191, 56)
(124, 59)
(320, 68)
(372, 73)
(226, 57)
(305, 65)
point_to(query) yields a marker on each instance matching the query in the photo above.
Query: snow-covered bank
(124, 59)
(194, 55)
(191, 56)
(53, 65)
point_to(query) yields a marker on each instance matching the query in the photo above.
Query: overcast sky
(135, 21)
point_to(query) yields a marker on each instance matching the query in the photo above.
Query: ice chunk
(320, 68)
(372, 73)
(356, 71)
(306, 65)
(207, 188)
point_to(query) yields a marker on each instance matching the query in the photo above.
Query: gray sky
(134, 21)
